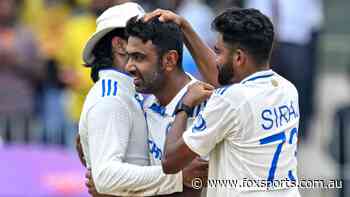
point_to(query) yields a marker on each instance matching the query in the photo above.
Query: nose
(130, 67)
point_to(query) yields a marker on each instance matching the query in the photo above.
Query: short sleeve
(211, 126)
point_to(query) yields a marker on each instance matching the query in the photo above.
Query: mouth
(137, 81)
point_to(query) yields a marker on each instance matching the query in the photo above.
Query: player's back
(116, 89)
(259, 152)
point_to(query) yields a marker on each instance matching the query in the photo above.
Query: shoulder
(110, 88)
(236, 88)
(105, 92)
(107, 87)
(233, 94)
(108, 107)
(287, 85)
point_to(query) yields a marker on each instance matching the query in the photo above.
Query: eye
(136, 56)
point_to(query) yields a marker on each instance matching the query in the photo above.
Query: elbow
(101, 181)
(169, 167)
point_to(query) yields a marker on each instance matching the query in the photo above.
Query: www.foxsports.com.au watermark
(197, 183)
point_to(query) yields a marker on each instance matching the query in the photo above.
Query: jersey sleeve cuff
(190, 142)
(179, 182)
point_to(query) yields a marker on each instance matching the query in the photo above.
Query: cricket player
(249, 125)
(155, 62)
(112, 129)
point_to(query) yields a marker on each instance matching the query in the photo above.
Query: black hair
(103, 52)
(165, 36)
(249, 29)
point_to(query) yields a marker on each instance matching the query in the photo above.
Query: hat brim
(88, 57)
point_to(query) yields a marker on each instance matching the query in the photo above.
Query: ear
(119, 45)
(170, 60)
(239, 57)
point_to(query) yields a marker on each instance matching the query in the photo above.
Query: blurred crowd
(44, 83)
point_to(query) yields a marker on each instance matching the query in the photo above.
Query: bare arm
(177, 153)
(203, 55)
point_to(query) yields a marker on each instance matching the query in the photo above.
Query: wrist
(184, 24)
(183, 113)
(188, 103)
(183, 108)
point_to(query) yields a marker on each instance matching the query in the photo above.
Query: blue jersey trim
(158, 109)
(257, 77)
(103, 87)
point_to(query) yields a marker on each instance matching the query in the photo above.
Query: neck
(253, 69)
(172, 86)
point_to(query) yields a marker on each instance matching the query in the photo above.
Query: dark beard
(225, 74)
(154, 83)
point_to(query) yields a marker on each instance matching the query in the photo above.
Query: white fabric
(160, 119)
(114, 139)
(233, 125)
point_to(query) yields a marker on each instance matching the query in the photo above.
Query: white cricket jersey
(250, 130)
(114, 140)
(160, 118)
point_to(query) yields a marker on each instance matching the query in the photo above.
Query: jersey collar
(258, 75)
(169, 109)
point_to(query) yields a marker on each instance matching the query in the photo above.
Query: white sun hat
(114, 17)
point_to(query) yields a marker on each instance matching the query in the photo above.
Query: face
(224, 62)
(120, 57)
(144, 65)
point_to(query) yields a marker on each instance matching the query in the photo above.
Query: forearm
(175, 157)
(116, 178)
(177, 129)
(108, 141)
(187, 192)
(203, 55)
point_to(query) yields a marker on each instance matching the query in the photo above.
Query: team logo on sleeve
(199, 124)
